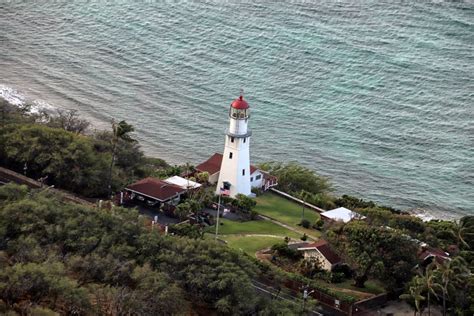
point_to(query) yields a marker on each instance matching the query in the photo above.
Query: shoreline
(16, 98)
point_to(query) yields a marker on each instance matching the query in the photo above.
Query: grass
(286, 211)
(371, 286)
(250, 244)
(253, 227)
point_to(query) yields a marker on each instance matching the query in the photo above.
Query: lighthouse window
(245, 138)
(243, 172)
(230, 155)
(232, 139)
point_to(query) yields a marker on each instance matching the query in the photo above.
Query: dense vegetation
(73, 259)
(60, 149)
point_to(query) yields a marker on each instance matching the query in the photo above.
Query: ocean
(376, 95)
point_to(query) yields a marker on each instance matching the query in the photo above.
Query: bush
(257, 191)
(305, 223)
(304, 237)
(318, 224)
(283, 250)
(345, 269)
(337, 277)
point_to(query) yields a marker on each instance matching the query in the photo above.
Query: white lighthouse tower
(235, 168)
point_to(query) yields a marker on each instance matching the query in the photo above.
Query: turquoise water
(376, 95)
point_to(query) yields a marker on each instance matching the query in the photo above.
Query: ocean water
(376, 95)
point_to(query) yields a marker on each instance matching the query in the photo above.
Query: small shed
(341, 214)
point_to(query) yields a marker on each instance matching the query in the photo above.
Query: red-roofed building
(319, 250)
(258, 178)
(426, 255)
(155, 191)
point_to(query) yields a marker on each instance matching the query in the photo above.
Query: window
(230, 155)
(243, 172)
(232, 139)
(258, 177)
(245, 138)
(251, 179)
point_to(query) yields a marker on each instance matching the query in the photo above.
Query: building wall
(231, 168)
(325, 264)
(254, 182)
(213, 178)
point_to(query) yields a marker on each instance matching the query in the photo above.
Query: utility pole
(217, 220)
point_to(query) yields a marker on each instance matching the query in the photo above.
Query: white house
(319, 251)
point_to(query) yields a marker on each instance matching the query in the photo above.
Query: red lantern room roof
(240, 104)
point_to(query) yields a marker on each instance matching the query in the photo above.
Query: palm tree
(120, 131)
(303, 196)
(415, 292)
(460, 231)
(430, 284)
(451, 272)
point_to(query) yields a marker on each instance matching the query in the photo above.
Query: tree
(430, 285)
(68, 159)
(415, 291)
(69, 120)
(294, 178)
(451, 274)
(462, 230)
(184, 209)
(120, 131)
(203, 177)
(244, 203)
(377, 251)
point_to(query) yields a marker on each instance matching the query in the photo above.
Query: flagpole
(218, 208)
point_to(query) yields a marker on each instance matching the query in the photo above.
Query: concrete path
(287, 227)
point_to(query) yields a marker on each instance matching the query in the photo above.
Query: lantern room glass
(239, 114)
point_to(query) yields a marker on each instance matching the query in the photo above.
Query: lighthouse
(234, 175)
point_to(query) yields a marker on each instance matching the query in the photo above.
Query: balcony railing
(248, 134)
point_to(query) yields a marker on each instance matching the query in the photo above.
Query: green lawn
(371, 286)
(253, 227)
(285, 211)
(250, 244)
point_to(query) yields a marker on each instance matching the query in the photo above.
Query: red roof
(439, 254)
(253, 169)
(325, 250)
(155, 188)
(240, 104)
(213, 165)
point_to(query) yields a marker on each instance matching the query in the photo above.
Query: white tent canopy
(342, 214)
(182, 182)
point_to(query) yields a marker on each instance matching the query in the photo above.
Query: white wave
(38, 105)
(428, 215)
(11, 95)
(17, 98)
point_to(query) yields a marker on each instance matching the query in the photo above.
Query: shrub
(343, 268)
(304, 237)
(318, 224)
(283, 250)
(337, 277)
(257, 191)
(305, 223)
